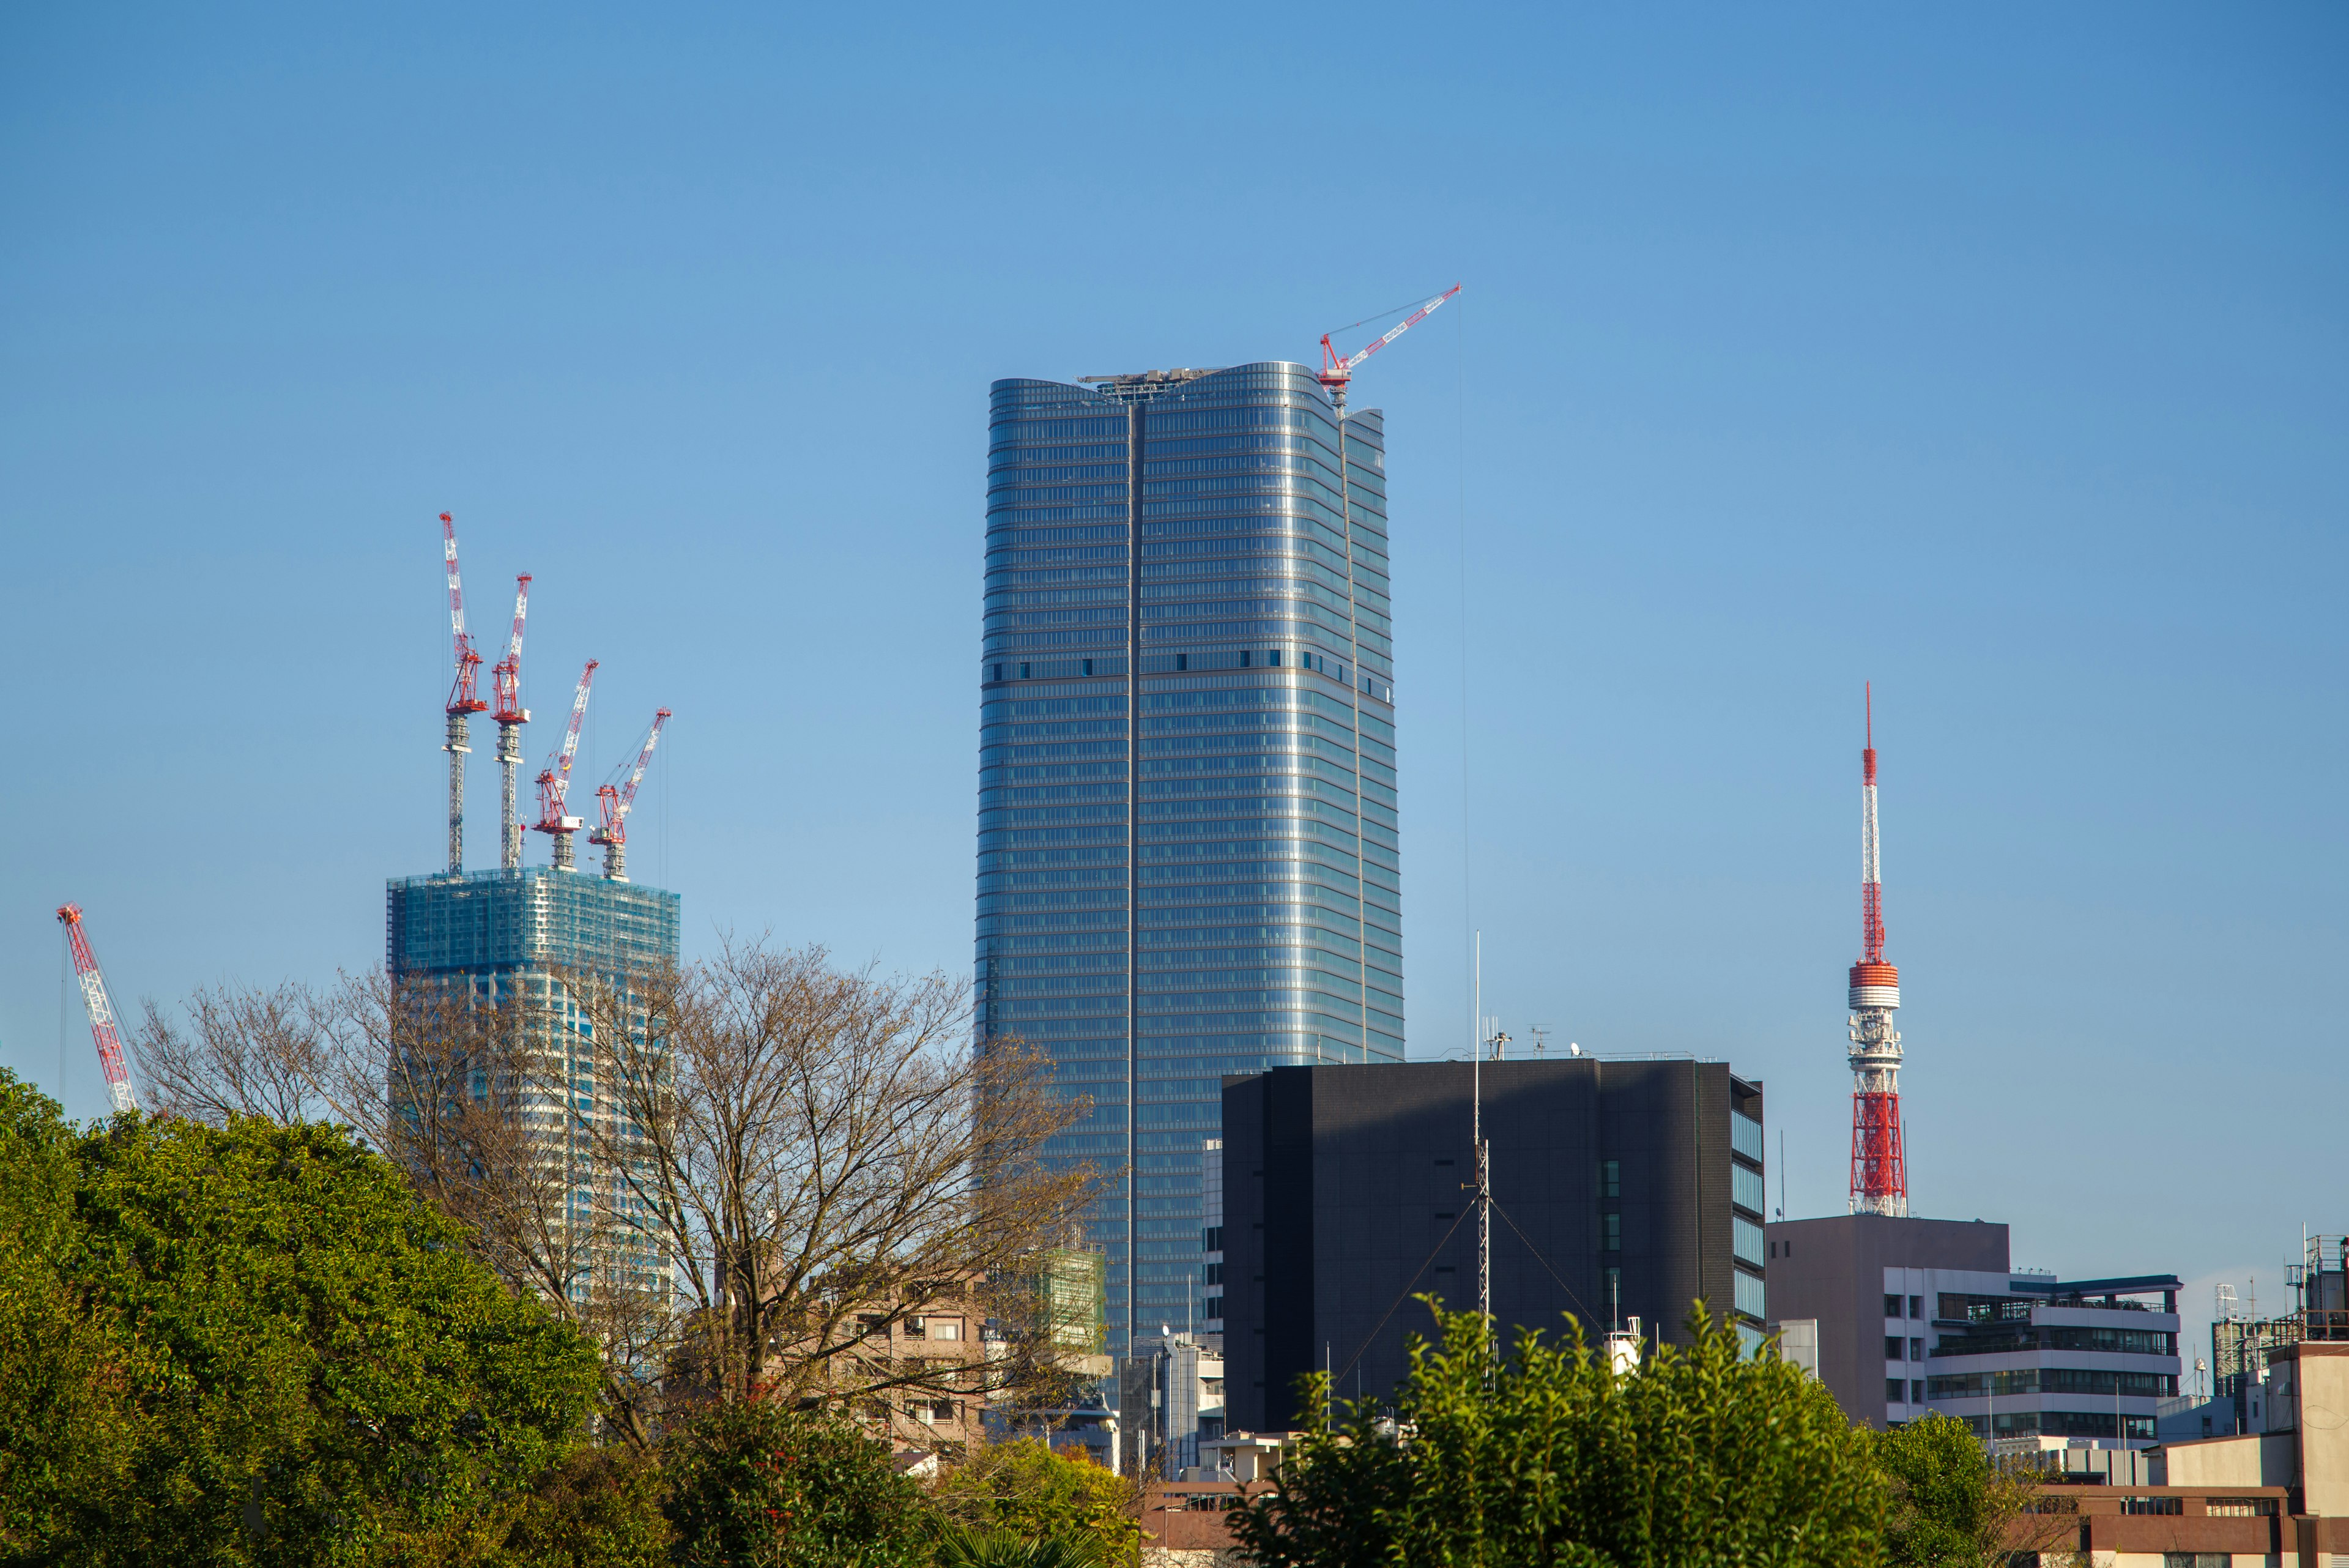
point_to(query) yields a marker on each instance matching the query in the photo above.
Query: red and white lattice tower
(1879, 1169)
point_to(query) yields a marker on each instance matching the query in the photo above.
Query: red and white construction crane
(1880, 1165)
(1337, 371)
(555, 780)
(111, 1058)
(616, 801)
(463, 700)
(510, 716)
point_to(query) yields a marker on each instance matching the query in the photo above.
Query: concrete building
(1916, 1317)
(1621, 1190)
(1187, 856)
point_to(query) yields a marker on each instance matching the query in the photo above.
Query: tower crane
(510, 716)
(1337, 371)
(616, 801)
(463, 700)
(555, 780)
(100, 1008)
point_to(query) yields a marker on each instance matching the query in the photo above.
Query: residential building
(508, 936)
(1187, 852)
(1621, 1190)
(1211, 1241)
(1918, 1316)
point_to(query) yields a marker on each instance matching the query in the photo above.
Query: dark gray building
(1620, 1189)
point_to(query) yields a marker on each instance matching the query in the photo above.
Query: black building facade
(1620, 1189)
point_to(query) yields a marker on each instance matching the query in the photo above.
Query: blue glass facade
(1187, 857)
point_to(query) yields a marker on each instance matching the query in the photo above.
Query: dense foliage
(1950, 1507)
(755, 1486)
(1548, 1457)
(276, 1353)
(1023, 1488)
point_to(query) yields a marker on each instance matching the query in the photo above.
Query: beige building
(2277, 1499)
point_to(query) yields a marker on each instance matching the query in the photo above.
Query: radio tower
(1880, 1170)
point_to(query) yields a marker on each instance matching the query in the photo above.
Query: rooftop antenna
(1541, 1039)
(1484, 1150)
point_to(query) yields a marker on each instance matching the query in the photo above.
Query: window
(1023, 672)
(1750, 1295)
(1916, 1391)
(1182, 661)
(946, 1328)
(1916, 1350)
(2242, 1508)
(2194, 1559)
(1612, 1232)
(998, 673)
(1745, 1239)
(1089, 666)
(916, 1328)
(1745, 1188)
(1746, 1137)
(1893, 1346)
(871, 1323)
(1610, 1178)
(1896, 1390)
(1244, 658)
(2153, 1505)
(1892, 1306)
(1273, 658)
(1916, 1306)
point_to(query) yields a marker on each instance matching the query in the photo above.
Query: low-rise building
(1922, 1316)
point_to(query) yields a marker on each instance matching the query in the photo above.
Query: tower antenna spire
(1880, 1165)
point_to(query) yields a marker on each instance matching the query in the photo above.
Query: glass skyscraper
(1188, 858)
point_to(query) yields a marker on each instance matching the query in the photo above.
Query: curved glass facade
(1187, 860)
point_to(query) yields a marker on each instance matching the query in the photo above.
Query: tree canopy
(283, 1355)
(1548, 1457)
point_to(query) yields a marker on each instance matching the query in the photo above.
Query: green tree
(1701, 1455)
(1950, 1507)
(68, 1422)
(1025, 1490)
(599, 1508)
(758, 1486)
(296, 1361)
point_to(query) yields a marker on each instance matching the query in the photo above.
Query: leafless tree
(243, 1052)
(740, 1177)
(817, 1155)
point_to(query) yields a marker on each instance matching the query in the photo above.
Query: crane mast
(617, 801)
(554, 780)
(102, 1030)
(510, 717)
(463, 702)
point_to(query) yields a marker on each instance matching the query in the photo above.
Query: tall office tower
(1188, 861)
(505, 936)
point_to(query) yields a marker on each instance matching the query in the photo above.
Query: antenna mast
(1879, 1167)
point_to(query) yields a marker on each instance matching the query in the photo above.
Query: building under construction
(508, 936)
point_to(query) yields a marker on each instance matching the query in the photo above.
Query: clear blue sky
(1994, 356)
